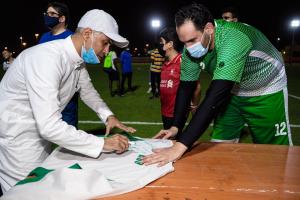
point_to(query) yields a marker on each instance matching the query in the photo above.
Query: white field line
(159, 123)
(294, 96)
(154, 123)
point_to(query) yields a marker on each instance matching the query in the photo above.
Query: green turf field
(137, 107)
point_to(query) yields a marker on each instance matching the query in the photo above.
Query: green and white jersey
(241, 54)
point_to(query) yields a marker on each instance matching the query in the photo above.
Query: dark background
(25, 18)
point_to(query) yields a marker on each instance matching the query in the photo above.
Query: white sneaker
(149, 90)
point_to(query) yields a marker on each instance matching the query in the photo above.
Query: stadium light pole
(36, 35)
(21, 40)
(277, 42)
(155, 24)
(295, 23)
(24, 44)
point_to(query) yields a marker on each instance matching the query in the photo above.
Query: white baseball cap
(101, 21)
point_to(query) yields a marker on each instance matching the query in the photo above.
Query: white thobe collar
(72, 53)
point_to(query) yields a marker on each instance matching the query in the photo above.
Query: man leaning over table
(40, 84)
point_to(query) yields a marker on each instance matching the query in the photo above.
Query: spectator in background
(230, 14)
(56, 19)
(126, 63)
(8, 59)
(157, 61)
(110, 67)
(149, 83)
(170, 76)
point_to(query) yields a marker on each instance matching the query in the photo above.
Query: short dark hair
(6, 50)
(62, 10)
(169, 34)
(197, 13)
(232, 10)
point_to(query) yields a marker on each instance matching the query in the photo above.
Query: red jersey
(170, 78)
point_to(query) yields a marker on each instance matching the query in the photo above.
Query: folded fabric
(39, 173)
(110, 174)
(62, 183)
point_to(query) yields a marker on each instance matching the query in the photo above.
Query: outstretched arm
(218, 96)
(184, 96)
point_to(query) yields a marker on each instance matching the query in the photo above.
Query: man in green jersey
(248, 86)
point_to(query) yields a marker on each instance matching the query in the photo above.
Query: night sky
(25, 18)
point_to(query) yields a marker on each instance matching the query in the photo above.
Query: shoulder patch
(202, 65)
(221, 64)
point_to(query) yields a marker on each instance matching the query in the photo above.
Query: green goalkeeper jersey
(241, 54)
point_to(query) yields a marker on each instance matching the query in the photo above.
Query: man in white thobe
(40, 83)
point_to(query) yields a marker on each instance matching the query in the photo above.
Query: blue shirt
(126, 62)
(48, 36)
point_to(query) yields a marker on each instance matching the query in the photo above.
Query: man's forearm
(183, 100)
(218, 95)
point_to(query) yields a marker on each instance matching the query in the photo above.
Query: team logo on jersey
(170, 84)
(172, 71)
(221, 64)
(202, 65)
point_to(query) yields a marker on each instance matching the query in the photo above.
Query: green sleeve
(232, 52)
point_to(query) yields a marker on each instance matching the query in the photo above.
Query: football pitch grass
(136, 107)
(143, 113)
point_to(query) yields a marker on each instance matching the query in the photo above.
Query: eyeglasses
(52, 14)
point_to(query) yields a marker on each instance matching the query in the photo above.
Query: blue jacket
(126, 62)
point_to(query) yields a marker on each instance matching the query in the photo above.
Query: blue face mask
(197, 50)
(50, 22)
(89, 56)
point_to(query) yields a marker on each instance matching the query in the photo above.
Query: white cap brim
(118, 40)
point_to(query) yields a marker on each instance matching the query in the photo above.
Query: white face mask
(197, 50)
